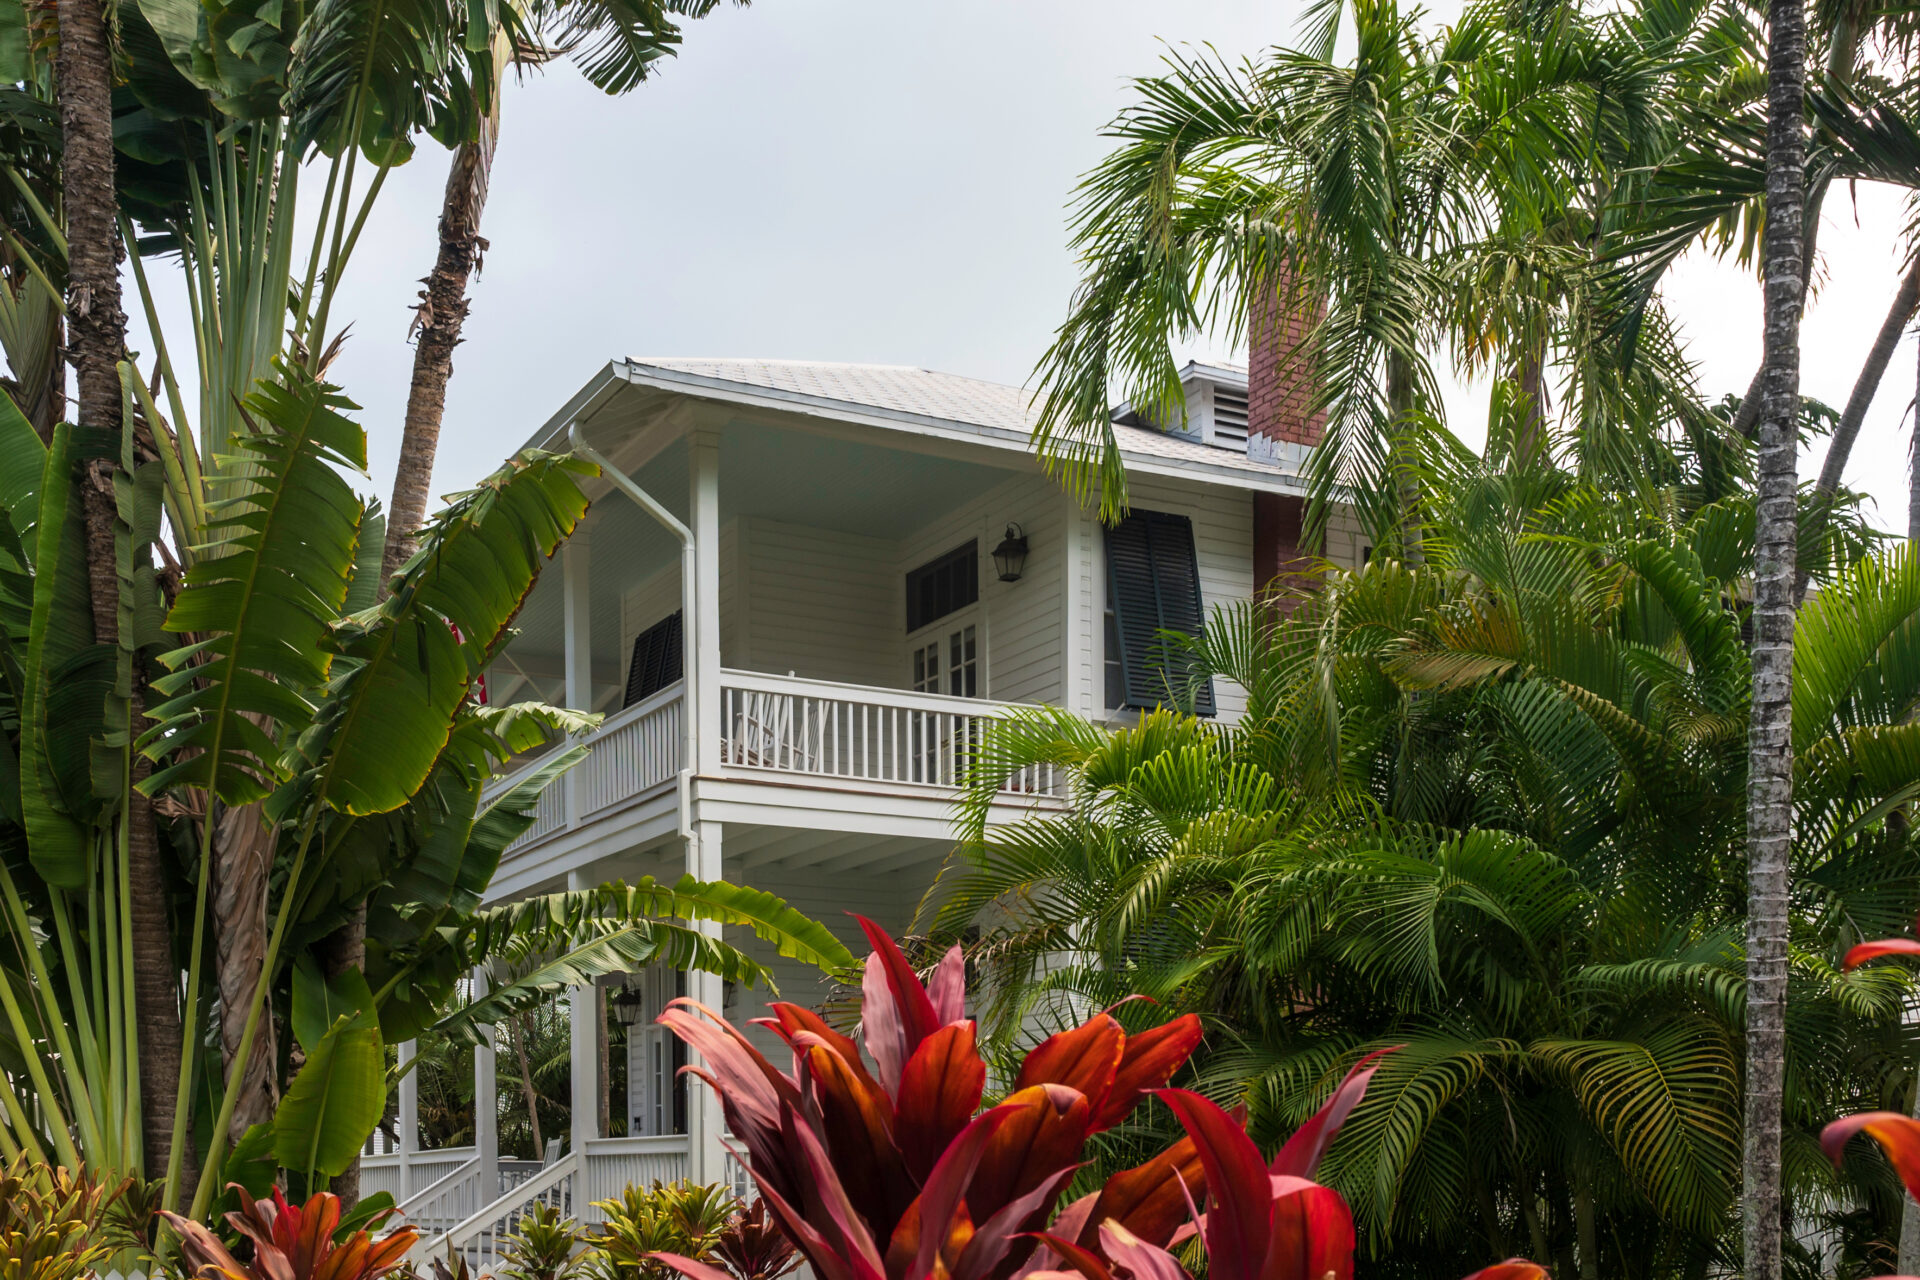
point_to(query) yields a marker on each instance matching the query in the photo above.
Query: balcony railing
(853, 735)
(783, 724)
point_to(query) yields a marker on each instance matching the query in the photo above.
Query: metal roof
(929, 396)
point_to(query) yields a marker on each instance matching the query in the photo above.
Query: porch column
(409, 1118)
(705, 1124)
(486, 1104)
(582, 1008)
(578, 616)
(705, 469)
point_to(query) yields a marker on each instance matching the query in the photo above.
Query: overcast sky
(885, 181)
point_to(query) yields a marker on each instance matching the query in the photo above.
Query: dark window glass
(656, 660)
(939, 587)
(1153, 588)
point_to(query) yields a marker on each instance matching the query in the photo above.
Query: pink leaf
(1238, 1223)
(1301, 1154)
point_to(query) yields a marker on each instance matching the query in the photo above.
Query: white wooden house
(789, 608)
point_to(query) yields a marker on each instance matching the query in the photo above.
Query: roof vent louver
(1230, 419)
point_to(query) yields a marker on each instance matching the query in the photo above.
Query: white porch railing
(615, 1163)
(785, 725)
(421, 1169)
(822, 729)
(450, 1200)
(570, 1185)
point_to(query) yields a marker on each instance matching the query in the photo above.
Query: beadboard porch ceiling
(795, 477)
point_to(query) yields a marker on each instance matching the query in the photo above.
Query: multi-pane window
(943, 586)
(1153, 591)
(948, 662)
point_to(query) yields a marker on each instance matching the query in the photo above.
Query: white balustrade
(613, 1164)
(822, 729)
(631, 752)
(447, 1201)
(478, 1238)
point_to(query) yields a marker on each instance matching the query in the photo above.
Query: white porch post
(704, 1121)
(705, 469)
(409, 1118)
(486, 1104)
(584, 1045)
(575, 558)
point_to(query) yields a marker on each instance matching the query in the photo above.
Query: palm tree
(616, 43)
(1770, 731)
(1488, 807)
(1383, 185)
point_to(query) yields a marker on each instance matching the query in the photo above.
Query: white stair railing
(446, 1202)
(477, 1238)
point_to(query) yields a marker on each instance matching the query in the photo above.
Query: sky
(887, 181)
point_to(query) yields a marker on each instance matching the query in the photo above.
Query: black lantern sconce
(1010, 557)
(627, 1004)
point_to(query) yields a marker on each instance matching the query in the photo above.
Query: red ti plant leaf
(895, 1011)
(1301, 1154)
(1511, 1269)
(1239, 1221)
(1860, 953)
(1312, 1232)
(1143, 1260)
(1149, 1061)
(1897, 1135)
(939, 1092)
(1046, 1129)
(1148, 1200)
(291, 1243)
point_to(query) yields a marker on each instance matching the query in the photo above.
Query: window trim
(1204, 701)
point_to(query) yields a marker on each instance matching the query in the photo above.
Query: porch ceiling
(769, 472)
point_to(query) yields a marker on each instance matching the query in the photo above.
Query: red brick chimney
(1281, 417)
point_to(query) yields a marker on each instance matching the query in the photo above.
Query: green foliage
(540, 1247)
(686, 1218)
(1491, 807)
(52, 1222)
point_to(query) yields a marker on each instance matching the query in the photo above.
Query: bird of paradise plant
(894, 1172)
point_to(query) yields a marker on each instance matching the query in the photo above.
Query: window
(958, 653)
(1153, 586)
(656, 660)
(943, 586)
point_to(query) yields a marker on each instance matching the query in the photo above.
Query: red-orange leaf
(1897, 1135)
(1238, 1187)
(1085, 1058)
(1865, 951)
(1142, 1260)
(856, 1125)
(895, 1011)
(1312, 1233)
(1511, 1269)
(1045, 1130)
(939, 1091)
(1148, 1062)
(1148, 1199)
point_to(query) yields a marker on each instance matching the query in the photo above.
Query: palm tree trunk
(243, 859)
(443, 309)
(1770, 743)
(1747, 418)
(442, 312)
(97, 328)
(526, 1086)
(1913, 471)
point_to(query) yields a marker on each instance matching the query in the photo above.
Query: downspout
(689, 620)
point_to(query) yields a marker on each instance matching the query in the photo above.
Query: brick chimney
(1282, 426)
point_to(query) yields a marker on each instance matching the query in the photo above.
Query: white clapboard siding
(819, 603)
(1023, 620)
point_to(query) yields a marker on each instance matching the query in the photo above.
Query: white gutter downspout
(689, 619)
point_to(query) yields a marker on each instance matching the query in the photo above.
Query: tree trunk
(1748, 417)
(97, 329)
(343, 949)
(1913, 472)
(1770, 743)
(243, 859)
(442, 312)
(526, 1085)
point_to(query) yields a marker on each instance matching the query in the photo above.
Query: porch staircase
(476, 1238)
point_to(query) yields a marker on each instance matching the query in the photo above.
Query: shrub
(541, 1247)
(51, 1222)
(680, 1218)
(292, 1243)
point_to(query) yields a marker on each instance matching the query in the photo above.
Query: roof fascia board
(765, 398)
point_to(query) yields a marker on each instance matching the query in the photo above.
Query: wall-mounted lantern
(627, 1004)
(1010, 557)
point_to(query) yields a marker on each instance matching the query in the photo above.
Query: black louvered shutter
(656, 660)
(1153, 585)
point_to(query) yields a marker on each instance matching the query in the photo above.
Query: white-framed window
(943, 624)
